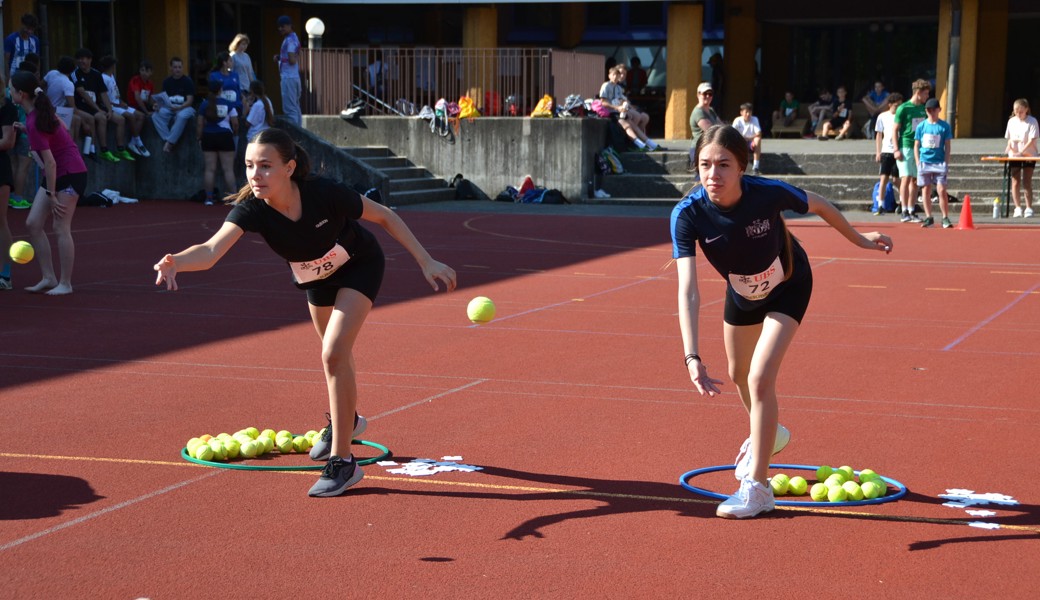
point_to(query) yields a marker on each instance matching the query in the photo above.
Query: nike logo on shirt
(710, 240)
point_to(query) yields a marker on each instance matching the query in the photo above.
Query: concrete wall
(492, 152)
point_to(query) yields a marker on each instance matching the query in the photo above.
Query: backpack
(466, 108)
(452, 110)
(889, 202)
(600, 109)
(573, 106)
(544, 107)
(613, 160)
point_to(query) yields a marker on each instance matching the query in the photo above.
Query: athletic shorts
(223, 141)
(888, 165)
(6, 174)
(792, 300)
(907, 166)
(924, 179)
(362, 273)
(72, 183)
(1017, 166)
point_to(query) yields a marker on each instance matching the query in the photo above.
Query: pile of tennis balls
(249, 443)
(832, 485)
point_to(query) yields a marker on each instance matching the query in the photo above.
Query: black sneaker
(336, 477)
(928, 222)
(322, 448)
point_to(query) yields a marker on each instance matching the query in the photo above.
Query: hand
(701, 380)
(898, 155)
(878, 241)
(435, 270)
(57, 208)
(19, 126)
(167, 271)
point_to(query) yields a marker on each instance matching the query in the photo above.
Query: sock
(639, 143)
(755, 166)
(651, 144)
(6, 271)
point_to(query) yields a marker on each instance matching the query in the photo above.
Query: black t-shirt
(180, 86)
(331, 212)
(93, 83)
(8, 116)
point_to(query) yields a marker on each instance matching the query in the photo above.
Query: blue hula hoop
(241, 466)
(901, 489)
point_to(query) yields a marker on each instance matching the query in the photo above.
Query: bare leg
(41, 209)
(1027, 183)
(926, 199)
(227, 164)
(338, 326)
(209, 171)
(1016, 186)
(62, 227)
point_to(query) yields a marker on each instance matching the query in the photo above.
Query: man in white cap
(289, 70)
(702, 117)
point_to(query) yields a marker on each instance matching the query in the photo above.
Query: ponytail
(27, 83)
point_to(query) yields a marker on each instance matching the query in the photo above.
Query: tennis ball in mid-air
(818, 492)
(22, 252)
(797, 486)
(853, 490)
(837, 494)
(780, 483)
(480, 309)
(823, 473)
(870, 489)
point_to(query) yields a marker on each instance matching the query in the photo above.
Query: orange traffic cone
(965, 221)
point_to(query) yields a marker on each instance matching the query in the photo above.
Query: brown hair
(241, 37)
(731, 139)
(256, 88)
(27, 83)
(921, 84)
(1020, 102)
(287, 150)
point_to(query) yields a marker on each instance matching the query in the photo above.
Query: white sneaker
(601, 194)
(1028, 212)
(751, 499)
(1018, 212)
(743, 462)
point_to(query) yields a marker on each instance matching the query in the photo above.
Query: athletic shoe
(839, 137)
(124, 155)
(601, 194)
(1028, 212)
(946, 223)
(928, 222)
(905, 218)
(138, 149)
(914, 218)
(751, 499)
(878, 212)
(743, 462)
(1018, 212)
(208, 201)
(107, 155)
(5, 283)
(19, 203)
(321, 449)
(336, 477)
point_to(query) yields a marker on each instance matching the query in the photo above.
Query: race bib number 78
(314, 270)
(759, 285)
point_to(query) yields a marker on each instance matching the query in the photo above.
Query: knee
(761, 384)
(338, 361)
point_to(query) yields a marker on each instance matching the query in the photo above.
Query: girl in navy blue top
(313, 223)
(737, 222)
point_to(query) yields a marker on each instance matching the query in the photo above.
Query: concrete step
(387, 162)
(411, 172)
(417, 184)
(420, 196)
(367, 151)
(409, 184)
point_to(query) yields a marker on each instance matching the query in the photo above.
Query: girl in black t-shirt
(737, 222)
(313, 223)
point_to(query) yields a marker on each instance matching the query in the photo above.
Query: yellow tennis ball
(203, 452)
(192, 444)
(285, 445)
(267, 442)
(22, 252)
(835, 480)
(268, 433)
(301, 444)
(870, 489)
(219, 451)
(206, 437)
(867, 475)
(818, 492)
(798, 486)
(480, 310)
(850, 474)
(252, 432)
(779, 483)
(282, 433)
(248, 449)
(837, 494)
(223, 436)
(853, 490)
(232, 447)
(823, 473)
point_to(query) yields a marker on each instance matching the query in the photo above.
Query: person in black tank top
(737, 222)
(313, 223)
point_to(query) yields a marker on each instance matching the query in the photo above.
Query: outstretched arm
(818, 205)
(199, 257)
(396, 227)
(689, 310)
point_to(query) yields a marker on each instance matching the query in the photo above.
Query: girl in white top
(633, 121)
(259, 110)
(1021, 135)
(240, 61)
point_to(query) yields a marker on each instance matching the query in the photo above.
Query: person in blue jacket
(737, 220)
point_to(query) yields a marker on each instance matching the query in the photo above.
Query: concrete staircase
(409, 184)
(845, 176)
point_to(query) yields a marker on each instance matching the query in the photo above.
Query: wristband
(691, 357)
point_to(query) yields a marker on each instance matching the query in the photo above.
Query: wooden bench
(797, 126)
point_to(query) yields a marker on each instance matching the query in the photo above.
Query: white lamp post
(315, 29)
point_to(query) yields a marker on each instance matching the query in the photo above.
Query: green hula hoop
(316, 467)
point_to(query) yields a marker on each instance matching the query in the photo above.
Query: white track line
(990, 318)
(427, 399)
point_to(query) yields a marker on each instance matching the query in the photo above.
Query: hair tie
(38, 91)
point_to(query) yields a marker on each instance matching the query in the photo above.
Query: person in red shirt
(140, 89)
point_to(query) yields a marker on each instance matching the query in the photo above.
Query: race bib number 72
(314, 270)
(758, 286)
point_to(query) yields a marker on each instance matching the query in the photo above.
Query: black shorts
(1018, 166)
(6, 174)
(792, 300)
(362, 273)
(888, 165)
(77, 182)
(837, 122)
(223, 141)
